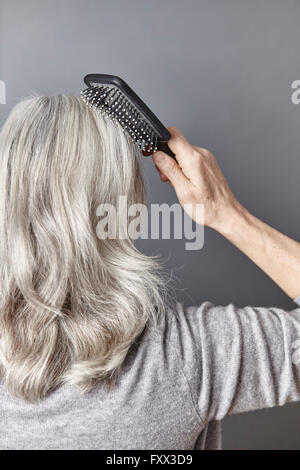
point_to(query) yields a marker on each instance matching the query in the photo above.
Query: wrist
(233, 221)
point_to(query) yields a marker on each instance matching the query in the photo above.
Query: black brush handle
(163, 146)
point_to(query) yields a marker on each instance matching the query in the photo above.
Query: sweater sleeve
(238, 359)
(297, 300)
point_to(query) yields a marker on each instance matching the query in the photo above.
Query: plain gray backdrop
(221, 71)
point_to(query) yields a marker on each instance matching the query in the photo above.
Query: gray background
(220, 70)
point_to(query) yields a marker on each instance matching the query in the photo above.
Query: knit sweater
(178, 381)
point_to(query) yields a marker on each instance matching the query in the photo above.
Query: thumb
(170, 168)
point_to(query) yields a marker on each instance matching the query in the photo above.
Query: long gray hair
(71, 305)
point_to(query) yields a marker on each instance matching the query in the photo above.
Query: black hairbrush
(115, 99)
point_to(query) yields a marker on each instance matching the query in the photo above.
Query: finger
(171, 170)
(178, 143)
(185, 153)
(162, 176)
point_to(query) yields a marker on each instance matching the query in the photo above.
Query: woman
(80, 314)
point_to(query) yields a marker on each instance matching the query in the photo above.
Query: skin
(197, 179)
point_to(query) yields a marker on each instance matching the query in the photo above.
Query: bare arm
(197, 179)
(276, 254)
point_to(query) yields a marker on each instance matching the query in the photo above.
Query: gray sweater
(178, 382)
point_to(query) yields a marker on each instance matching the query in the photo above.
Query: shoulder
(177, 331)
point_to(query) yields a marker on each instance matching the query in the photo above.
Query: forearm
(276, 254)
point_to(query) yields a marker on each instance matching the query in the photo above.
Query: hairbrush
(116, 100)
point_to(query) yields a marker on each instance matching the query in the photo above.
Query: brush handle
(163, 146)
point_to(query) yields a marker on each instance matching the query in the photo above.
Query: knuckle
(202, 151)
(206, 153)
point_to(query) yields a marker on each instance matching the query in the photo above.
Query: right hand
(197, 179)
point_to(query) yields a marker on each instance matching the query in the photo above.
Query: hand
(197, 179)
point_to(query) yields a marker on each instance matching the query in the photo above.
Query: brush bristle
(112, 103)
